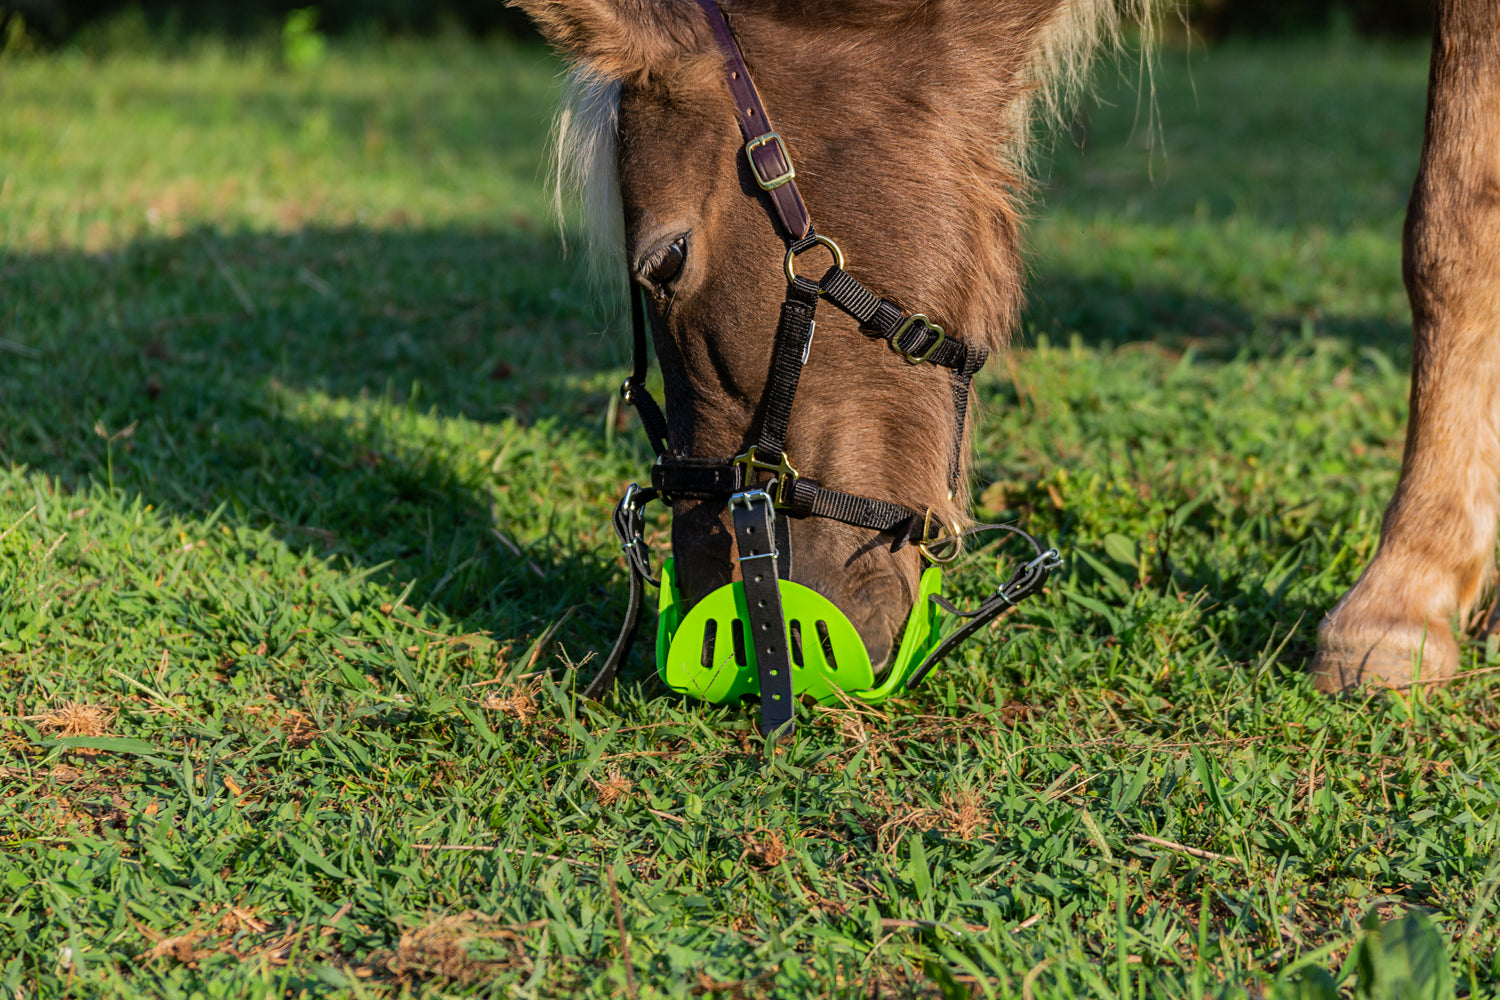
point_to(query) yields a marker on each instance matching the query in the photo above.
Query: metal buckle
(785, 177)
(946, 533)
(916, 359)
(792, 255)
(748, 499)
(782, 474)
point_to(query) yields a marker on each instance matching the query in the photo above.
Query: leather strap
(769, 159)
(1025, 581)
(629, 523)
(755, 535)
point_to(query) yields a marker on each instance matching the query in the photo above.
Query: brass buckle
(782, 473)
(791, 256)
(946, 534)
(770, 183)
(916, 359)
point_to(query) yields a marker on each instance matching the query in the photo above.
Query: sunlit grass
(308, 447)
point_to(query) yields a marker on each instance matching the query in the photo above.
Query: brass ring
(791, 256)
(949, 534)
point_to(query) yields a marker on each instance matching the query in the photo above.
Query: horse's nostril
(737, 632)
(710, 632)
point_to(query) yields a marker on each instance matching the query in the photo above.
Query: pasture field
(307, 444)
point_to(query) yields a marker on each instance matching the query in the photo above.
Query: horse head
(901, 119)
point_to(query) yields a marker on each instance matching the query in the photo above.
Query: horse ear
(620, 38)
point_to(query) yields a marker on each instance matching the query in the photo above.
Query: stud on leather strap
(755, 535)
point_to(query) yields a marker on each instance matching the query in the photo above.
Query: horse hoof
(1381, 656)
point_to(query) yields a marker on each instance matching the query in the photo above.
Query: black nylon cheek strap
(788, 354)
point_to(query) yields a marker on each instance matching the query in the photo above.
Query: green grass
(307, 445)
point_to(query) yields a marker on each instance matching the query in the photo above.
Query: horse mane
(1056, 75)
(584, 169)
(1062, 61)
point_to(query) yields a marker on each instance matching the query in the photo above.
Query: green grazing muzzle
(703, 653)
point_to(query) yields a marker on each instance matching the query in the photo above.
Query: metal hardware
(627, 390)
(748, 498)
(769, 139)
(629, 503)
(792, 255)
(916, 359)
(946, 533)
(782, 474)
(1049, 561)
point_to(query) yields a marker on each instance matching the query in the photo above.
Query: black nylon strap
(695, 478)
(634, 390)
(883, 318)
(755, 534)
(793, 338)
(716, 479)
(811, 500)
(849, 294)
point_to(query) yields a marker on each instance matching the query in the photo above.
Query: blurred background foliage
(104, 24)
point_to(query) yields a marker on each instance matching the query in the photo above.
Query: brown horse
(907, 121)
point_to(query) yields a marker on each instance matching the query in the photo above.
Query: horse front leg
(1437, 540)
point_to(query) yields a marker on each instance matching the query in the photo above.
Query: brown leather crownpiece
(769, 159)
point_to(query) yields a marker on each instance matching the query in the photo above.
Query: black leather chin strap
(629, 523)
(755, 537)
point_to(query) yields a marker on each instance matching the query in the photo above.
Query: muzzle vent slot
(737, 631)
(795, 630)
(710, 632)
(826, 641)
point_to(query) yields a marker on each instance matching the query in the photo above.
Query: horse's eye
(668, 264)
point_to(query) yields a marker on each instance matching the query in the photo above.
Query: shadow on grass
(432, 405)
(412, 402)
(1108, 312)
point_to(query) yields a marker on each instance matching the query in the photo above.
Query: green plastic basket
(704, 653)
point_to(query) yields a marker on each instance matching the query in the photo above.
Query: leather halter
(755, 500)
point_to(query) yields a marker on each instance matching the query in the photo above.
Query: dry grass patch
(766, 847)
(73, 718)
(962, 814)
(518, 701)
(443, 948)
(613, 788)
